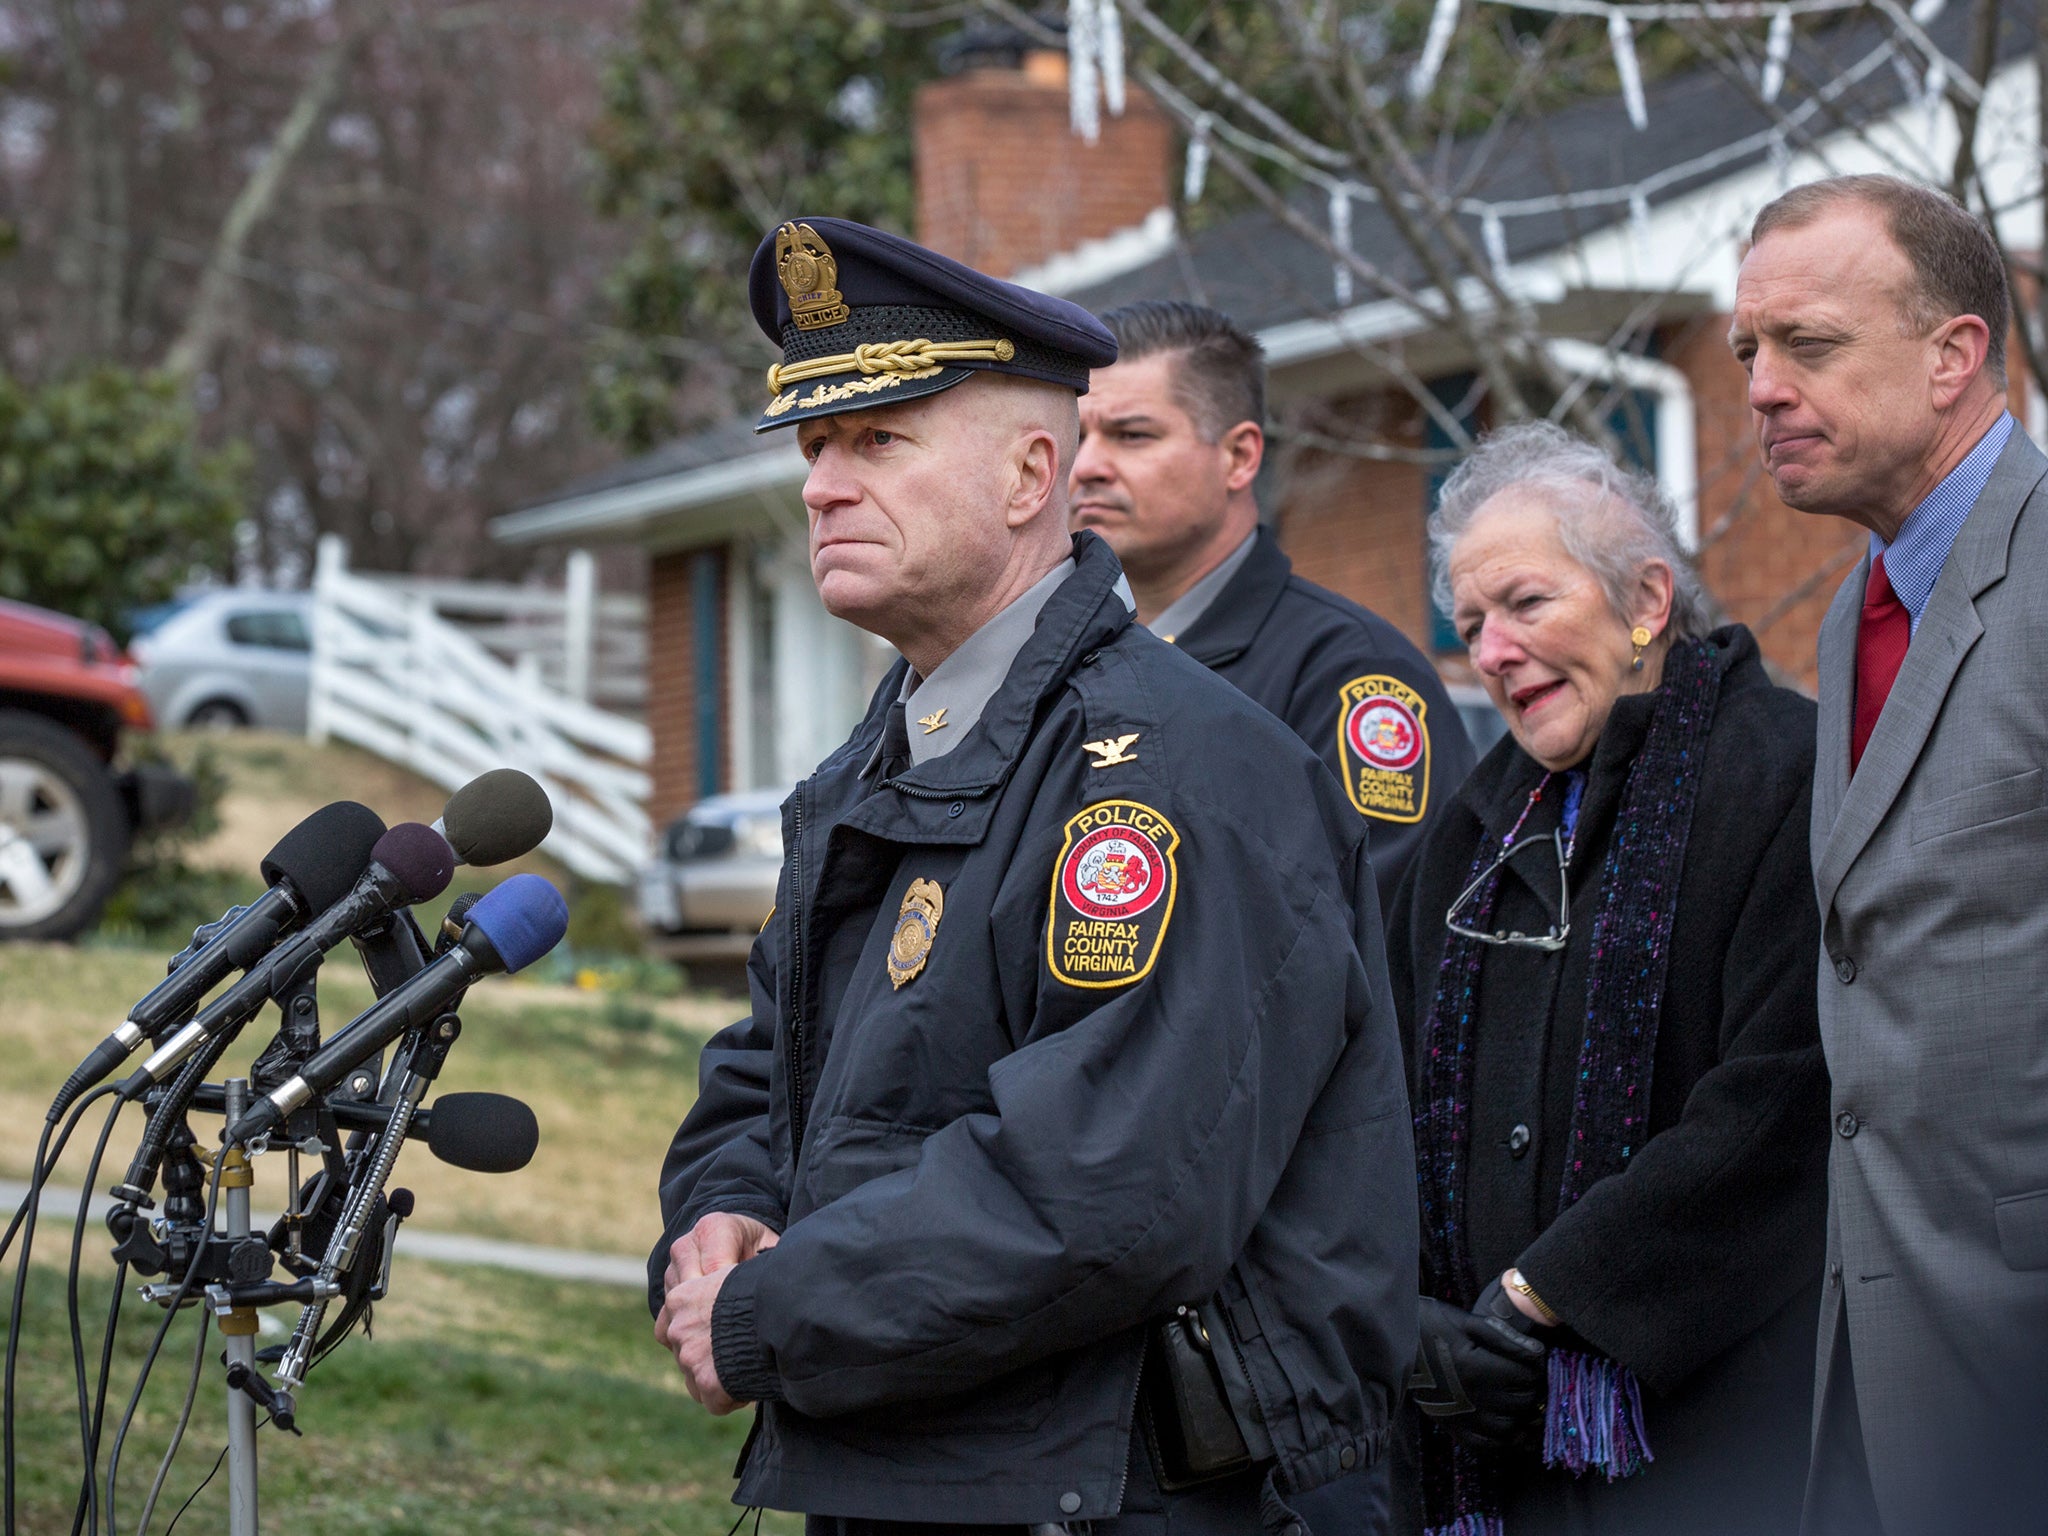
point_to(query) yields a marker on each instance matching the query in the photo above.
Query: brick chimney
(1003, 181)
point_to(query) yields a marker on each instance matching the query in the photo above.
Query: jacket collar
(1226, 630)
(1083, 614)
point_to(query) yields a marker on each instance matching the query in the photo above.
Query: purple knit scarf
(1593, 1416)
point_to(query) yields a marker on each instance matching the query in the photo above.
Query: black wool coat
(1699, 1266)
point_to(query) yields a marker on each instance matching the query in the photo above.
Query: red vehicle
(67, 814)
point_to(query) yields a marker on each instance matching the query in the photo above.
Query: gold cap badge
(810, 276)
(916, 925)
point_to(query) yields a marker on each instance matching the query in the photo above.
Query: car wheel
(217, 715)
(63, 831)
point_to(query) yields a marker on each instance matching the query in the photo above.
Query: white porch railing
(393, 676)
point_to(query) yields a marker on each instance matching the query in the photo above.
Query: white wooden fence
(589, 645)
(393, 675)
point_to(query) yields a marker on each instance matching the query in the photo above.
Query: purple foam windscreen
(522, 919)
(496, 817)
(326, 853)
(483, 1132)
(419, 856)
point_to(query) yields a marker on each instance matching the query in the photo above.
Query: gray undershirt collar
(1181, 614)
(960, 686)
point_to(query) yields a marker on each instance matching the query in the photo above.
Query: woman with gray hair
(1603, 959)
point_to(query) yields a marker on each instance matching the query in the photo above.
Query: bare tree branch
(259, 194)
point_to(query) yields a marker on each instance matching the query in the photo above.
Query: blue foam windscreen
(524, 918)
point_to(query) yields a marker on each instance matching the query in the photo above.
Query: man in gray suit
(1871, 316)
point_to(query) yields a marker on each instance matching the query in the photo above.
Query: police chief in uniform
(1172, 435)
(1071, 1048)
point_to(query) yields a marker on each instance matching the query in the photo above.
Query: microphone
(496, 817)
(310, 869)
(409, 863)
(509, 929)
(450, 933)
(481, 1132)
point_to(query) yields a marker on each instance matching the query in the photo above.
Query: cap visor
(834, 394)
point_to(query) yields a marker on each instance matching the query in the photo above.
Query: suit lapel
(1837, 705)
(1949, 629)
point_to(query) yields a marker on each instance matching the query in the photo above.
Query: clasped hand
(1483, 1374)
(698, 1263)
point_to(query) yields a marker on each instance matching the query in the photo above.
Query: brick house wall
(1356, 525)
(673, 629)
(1770, 567)
(1003, 182)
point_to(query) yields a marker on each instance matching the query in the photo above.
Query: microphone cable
(170, 1113)
(156, 1343)
(212, 1473)
(163, 1468)
(25, 1223)
(88, 1419)
(40, 1167)
(86, 1516)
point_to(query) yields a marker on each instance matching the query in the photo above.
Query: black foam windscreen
(497, 816)
(326, 853)
(483, 1132)
(419, 856)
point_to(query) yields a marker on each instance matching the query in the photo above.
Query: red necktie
(1881, 643)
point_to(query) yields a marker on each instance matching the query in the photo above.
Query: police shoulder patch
(1112, 895)
(1383, 743)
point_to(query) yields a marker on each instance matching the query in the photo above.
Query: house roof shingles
(1252, 266)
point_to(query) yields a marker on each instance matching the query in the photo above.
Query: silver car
(228, 659)
(715, 869)
(711, 882)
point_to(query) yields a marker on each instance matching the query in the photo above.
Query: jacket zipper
(918, 792)
(1123, 1478)
(796, 984)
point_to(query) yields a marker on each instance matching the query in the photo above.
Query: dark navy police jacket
(1040, 1048)
(1352, 686)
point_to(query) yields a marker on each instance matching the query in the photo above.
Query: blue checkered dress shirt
(1914, 559)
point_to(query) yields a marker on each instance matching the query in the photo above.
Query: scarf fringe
(1594, 1421)
(1470, 1525)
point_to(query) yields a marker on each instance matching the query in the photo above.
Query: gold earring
(1639, 637)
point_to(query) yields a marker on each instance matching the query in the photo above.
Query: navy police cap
(866, 318)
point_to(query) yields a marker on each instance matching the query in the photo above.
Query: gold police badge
(810, 275)
(917, 923)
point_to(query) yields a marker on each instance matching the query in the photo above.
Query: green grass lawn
(485, 1401)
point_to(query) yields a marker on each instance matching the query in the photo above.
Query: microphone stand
(238, 1331)
(415, 1078)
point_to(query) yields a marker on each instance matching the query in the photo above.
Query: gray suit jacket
(1930, 868)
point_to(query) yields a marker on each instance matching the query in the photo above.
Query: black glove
(1480, 1373)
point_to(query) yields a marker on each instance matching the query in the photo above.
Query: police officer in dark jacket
(1072, 1012)
(1172, 438)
